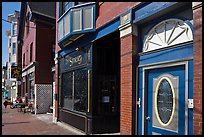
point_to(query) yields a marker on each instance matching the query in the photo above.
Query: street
(19, 123)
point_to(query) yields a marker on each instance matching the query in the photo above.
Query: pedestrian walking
(6, 103)
(20, 101)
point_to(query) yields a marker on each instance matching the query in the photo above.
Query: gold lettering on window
(74, 60)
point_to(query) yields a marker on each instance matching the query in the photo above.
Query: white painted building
(4, 77)
(12, 49)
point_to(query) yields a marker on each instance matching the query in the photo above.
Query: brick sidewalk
(19, 123)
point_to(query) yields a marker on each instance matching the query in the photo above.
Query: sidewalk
(19, 123)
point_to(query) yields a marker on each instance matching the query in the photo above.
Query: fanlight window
(167, 33)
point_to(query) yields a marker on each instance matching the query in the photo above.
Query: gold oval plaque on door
(164, 101)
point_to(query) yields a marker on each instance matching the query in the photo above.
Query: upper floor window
(14, 28)
(88, 18)
(9, 57)
(27, 23)
(24, 60)
(14, 48)
(13, 64)
(78, 3)
(64, 6)
(9, 42)
(9, 73)
(31, 52)
(77, 20)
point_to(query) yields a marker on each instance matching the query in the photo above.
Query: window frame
(14, 25)
(81, 21)
(73, 90)
(63, 5)
(9, 57)
(31, 52)
(9, 42)
(14, 49)
(92, 18)
(27, 23)
(82, 30)
(23, 59)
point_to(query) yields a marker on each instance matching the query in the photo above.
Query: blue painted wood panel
(190, 96)
(174, 71)
(175, 53)
(150, 9)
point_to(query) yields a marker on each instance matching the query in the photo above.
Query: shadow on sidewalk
(14, 123)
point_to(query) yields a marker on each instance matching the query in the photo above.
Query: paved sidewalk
(19, 123)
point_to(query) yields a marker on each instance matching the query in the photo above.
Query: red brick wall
(109, 10)
(45, 38)
(28, 39)
(197, 122)
(127, 84)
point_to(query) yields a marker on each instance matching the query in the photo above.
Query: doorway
(166, 97)
(106, 84)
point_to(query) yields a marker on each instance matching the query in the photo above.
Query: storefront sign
(15, 72)
(75, 59)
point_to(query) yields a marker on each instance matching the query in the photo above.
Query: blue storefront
(163, 67)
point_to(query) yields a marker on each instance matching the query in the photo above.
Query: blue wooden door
(165, 109)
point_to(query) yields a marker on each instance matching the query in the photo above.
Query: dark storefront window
(32, 89)
(80, 90)
(74, 91)
(23, 87)
(31, 82)
(67, 89)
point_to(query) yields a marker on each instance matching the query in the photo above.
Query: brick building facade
(132, 68)
(197, 20)
(36, 37)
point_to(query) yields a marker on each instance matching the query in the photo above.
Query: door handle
(148, 118)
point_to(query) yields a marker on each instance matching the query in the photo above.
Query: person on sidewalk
(6, 103)
(20, 104)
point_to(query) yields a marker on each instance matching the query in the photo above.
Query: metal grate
(43, 98)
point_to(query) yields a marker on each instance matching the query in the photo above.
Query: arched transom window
(167, 33)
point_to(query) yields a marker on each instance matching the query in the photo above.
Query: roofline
(21, 22)
(43, 15)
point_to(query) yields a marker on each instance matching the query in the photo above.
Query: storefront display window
(31, 82)
(74, 90)
(67, 90)
(80, 91)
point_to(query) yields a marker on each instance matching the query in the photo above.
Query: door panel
(166, 101)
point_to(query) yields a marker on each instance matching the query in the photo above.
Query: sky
(7, 8)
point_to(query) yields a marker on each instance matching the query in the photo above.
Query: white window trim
(92, 22)
(80, 14)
